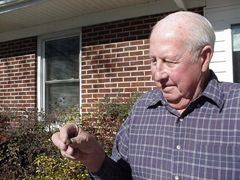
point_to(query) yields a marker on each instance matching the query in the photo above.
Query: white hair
(199, 29)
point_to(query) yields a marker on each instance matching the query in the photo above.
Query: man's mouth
(167, 88)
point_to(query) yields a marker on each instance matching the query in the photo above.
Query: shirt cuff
(104, 170)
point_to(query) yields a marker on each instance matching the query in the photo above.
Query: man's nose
(160, 75)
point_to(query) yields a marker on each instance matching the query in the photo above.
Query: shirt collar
(156, 99)
(212, 93)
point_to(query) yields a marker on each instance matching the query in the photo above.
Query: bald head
(191, 28)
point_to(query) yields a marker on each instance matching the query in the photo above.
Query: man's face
(173, 69)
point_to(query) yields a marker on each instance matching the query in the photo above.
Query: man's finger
(82, 140)
(58, 142)
(67, 132)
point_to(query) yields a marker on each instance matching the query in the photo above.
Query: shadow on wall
(19, 47)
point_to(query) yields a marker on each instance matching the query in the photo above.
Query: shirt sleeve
(117, 166)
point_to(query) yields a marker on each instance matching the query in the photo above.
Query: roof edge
(12, 5)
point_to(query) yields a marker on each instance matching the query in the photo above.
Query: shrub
(106, 120)
(26, 137)
(54, 167)
(26, 151)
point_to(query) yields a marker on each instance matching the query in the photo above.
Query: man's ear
(205, 57)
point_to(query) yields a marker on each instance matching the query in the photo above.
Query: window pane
(62, 94)
(236, 52)
(62, 59)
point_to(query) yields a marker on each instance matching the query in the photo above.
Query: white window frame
(41, 68)
(233, 24)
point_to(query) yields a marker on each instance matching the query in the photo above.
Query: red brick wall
(18, 73)
(115, 58)
(114, 61)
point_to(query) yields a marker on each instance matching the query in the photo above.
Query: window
(60, 72)
(236, 52)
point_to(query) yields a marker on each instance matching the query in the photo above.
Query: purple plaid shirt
(156, 142)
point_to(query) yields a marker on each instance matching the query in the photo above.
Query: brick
(104, 90)
(123, 64)
(87, 86)
(131, 89)
(137, 42)
(92, 90)
(90, 81)
(146, 52)
(123, 84)
(104, 70)
(136, 53)
(96, 57)
(138, 73)
(110, 85)
(132, 48)
(137, 84)
(92, 71)
(116, 50)
(124, 74)
(116, 79)
(109, 56)
(118, 90)
(110, 46)
(130, 58)
(103, 80)
(144, 89)
(147, 73)
(140, 68)
(149, 84)
(98, 76)
(97, 47)
(110, 65)
(123, 54)
(136, 63)
(130, 79)
(89, 76)
(117, 60)
(98, 86)
(143, 47)
(108, 75)
(123, 44)
(96, 67)
(143, 78)
(85, 96)
(97, 96)
(131, 68)
(116, 69)
(104, 51)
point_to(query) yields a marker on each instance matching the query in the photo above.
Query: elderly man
(187, 128)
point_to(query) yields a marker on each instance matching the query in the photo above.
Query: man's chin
(170, 97)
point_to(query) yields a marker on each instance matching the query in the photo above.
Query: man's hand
(76, 144)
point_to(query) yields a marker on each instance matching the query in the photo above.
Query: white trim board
(222, 18)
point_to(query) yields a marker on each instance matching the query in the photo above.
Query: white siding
(222, 14)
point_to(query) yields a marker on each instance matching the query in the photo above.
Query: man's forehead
(167, 27)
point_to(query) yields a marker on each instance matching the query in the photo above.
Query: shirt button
(181, 119)
(178, 147)
(176, 178)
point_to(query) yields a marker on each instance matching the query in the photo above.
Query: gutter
(13, 5)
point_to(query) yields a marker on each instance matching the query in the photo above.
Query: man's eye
(153, 60)
(170, 63)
